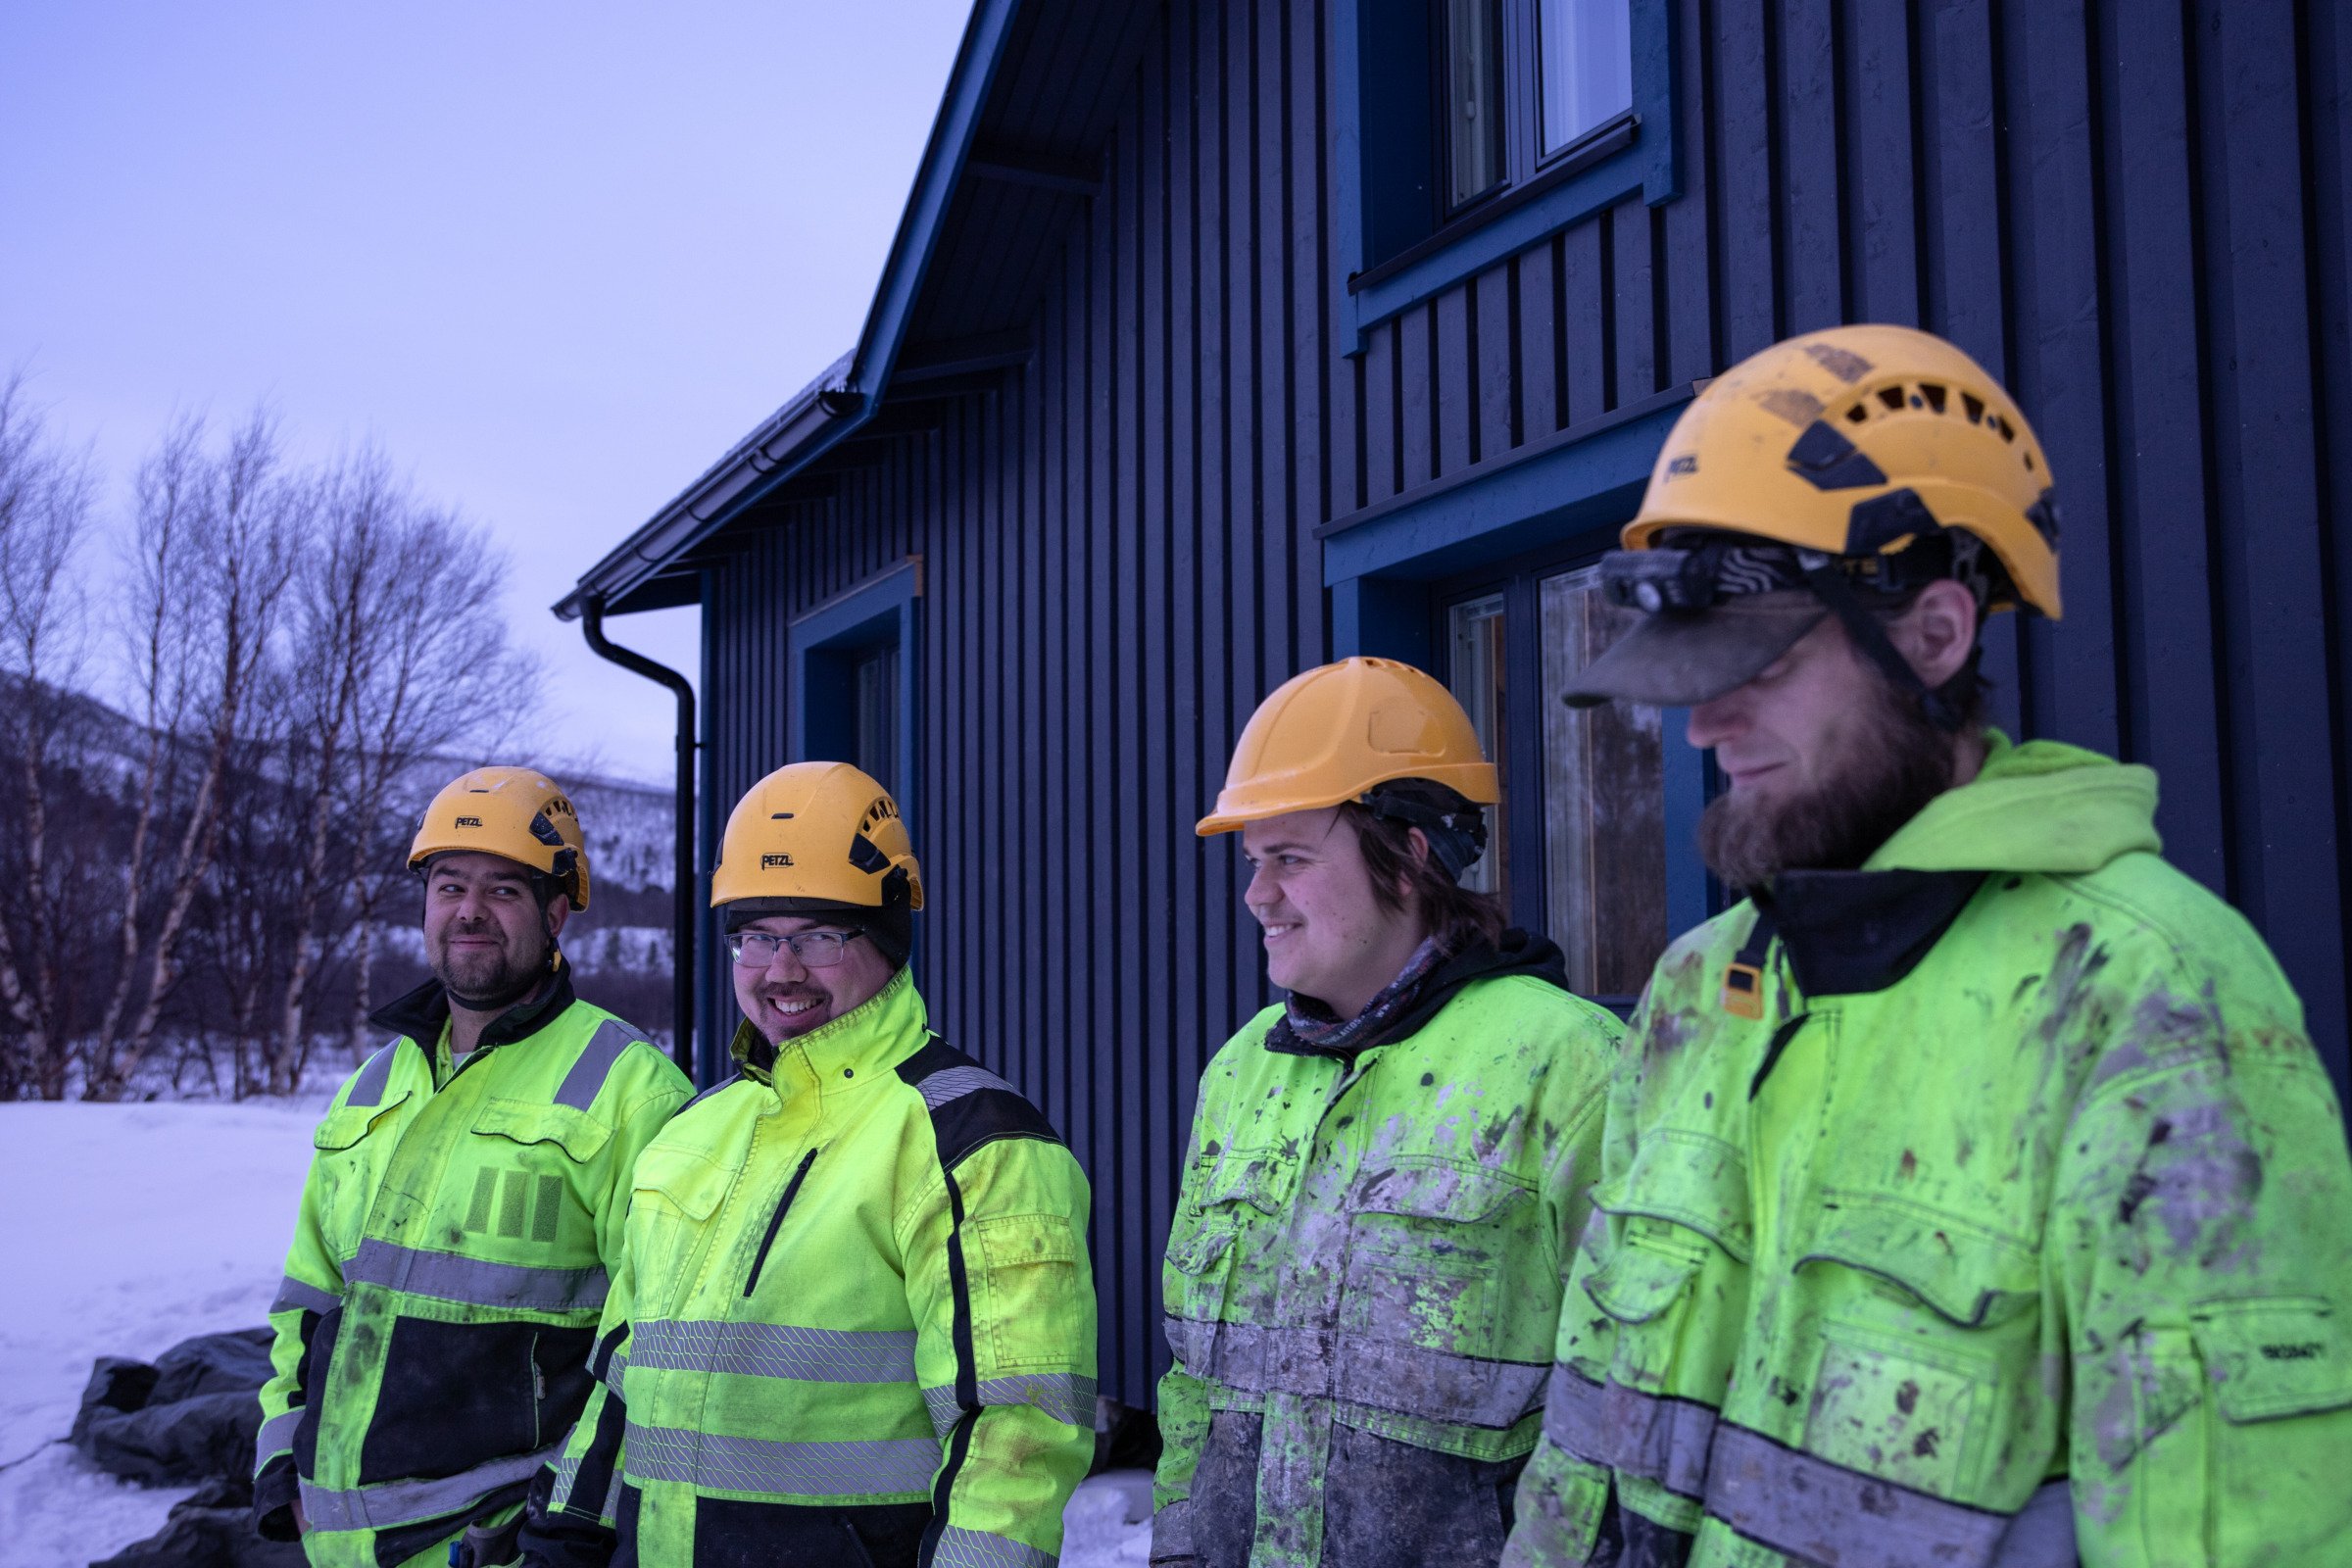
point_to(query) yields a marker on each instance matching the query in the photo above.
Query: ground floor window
(1578, 847)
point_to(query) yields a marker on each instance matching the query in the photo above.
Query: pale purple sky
(554, 258)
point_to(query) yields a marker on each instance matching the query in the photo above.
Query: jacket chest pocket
(354, 1143)
(674, 1194)
(1930, 1371)
(1678, 1213)
(525, 1177)
(1237, 1193)
(1430, 1244)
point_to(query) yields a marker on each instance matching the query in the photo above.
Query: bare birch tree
(216, 538)
(398, 650)
(45, 500)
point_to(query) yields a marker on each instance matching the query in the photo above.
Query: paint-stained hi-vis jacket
(447, 1267)
(854, 1323)
(1984, 1206)
(1365, 1273)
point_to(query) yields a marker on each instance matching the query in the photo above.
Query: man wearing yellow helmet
(1364, 1276)
(1971, 1193)
(856, 1323)
(463, 1210)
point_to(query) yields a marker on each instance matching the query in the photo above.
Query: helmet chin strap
(1869, 635)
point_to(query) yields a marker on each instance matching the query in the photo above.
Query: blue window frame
(1470, 129)
(1477, 569)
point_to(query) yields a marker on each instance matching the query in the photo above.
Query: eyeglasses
(815, 949)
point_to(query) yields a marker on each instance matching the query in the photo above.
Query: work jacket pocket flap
(1428, 1189)
(1012, 1241)
(346, 1125)
(1690, 1179)
(578, 1134)
(1965, 1275)
(2272, 1356)
(1197, 1252)
(682, 1179)
(1637, 1284)
(1247, 1176)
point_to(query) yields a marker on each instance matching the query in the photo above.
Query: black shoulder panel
(970, 1106)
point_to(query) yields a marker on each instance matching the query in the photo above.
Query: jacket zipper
(792, 1187)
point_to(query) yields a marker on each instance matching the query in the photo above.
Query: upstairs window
(1584, 69)
(1522, 84)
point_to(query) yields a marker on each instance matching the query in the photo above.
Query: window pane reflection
(1605, 826)
(1585, 65)
(1473, 98)
(875, 716)
(1476, 672)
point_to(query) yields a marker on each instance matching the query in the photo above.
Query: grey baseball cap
(1681, 657)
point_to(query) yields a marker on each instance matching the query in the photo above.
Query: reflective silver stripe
(1657, 1437)
(568, 1471)
(1323, 1363)
(473, 1281)
(293, 1292)
(368, 1089)
(401, 1502)
(594, 1064)
(1063, 1396)
(276, 1437)
(956, 1082)
(945, 1411)
(611, 1511)
(801, 1469)
(615, 1368)
(1806, 1505)
(777, 1350)
(960, 1547)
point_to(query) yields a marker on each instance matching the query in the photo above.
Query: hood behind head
(2040, 807)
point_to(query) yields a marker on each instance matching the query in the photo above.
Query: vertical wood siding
(2134, 214)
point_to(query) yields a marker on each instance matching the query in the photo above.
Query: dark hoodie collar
(423, 1011)
(1519, 953)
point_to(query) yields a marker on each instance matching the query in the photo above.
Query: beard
(483, 981)
(1890, 766)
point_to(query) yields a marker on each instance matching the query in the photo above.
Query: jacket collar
(1520, 953)
(423, 1013)
(867, 1040)
(1849, 933)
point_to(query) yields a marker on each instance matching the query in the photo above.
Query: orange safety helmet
(1329, 736)
(1813, 442)
(511, 812)
(818, 835)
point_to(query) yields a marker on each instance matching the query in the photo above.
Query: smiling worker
(855, 1322)
(1364, 1270)
(1972, 1193)
(462, 1210)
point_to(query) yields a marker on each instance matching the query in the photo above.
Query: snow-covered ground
(131, 1227)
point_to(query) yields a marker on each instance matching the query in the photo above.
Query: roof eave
(829, 408)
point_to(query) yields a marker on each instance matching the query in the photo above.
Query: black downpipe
(682, 875)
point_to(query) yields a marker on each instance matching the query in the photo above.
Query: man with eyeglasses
(853, 1321)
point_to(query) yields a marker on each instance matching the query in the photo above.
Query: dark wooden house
(1221, 338)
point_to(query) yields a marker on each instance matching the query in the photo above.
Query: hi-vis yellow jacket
(854, 1323)
(448, 1265)
(1985, 1207)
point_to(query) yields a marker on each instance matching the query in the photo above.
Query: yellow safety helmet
(509, 812)
(818, 835)
(1825, 475)
(1331, 735)
(1815, 442)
